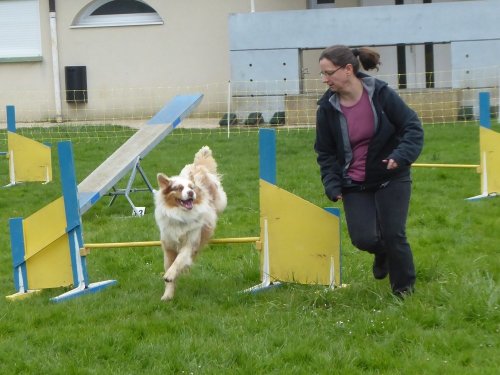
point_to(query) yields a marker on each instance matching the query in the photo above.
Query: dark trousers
(376, 221)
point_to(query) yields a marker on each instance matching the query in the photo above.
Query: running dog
(186, 210)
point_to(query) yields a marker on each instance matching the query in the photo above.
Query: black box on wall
(76, 84)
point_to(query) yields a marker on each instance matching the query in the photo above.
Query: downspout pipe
(55, 59)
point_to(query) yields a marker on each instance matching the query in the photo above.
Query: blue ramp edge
(87, 200)
(176, 110)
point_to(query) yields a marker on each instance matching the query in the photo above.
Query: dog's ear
(163, 180)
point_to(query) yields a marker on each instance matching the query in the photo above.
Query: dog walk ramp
(128, 155)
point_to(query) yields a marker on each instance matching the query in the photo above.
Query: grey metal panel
(374, 25)
(265, 72)
(475, 64)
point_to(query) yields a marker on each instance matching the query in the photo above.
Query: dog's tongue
(188, 203)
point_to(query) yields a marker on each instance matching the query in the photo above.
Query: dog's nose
(190, 194)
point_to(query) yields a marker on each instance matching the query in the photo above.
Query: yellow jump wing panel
(47, 252)
(304, 240)
(490, 154)
(32, 160)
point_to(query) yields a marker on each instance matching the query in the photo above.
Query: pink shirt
(361, 125)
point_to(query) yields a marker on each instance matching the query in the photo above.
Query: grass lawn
(451, 325)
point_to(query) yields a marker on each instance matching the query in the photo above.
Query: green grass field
(451, 325)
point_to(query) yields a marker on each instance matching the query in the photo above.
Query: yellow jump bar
(110, 245)
(446, 165)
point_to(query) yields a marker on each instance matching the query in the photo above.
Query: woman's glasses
(331, 73)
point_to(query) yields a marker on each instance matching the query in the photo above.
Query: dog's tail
(204, 157)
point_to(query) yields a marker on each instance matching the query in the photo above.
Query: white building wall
(125, 65)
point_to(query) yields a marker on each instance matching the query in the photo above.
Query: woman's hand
(391, 163)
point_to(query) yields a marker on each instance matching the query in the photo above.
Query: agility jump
(29, 161)
(300, 242)
(489, 146)
(489, 151)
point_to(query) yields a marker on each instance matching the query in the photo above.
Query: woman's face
(334, 76)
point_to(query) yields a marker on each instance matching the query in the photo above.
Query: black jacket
(398, 135)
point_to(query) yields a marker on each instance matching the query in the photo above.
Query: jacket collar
(371, 84)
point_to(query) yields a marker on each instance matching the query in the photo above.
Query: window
(104, 13)
(429, 65)
(20, 35)
(401, 56)
(320, 4)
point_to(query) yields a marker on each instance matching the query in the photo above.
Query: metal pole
(55, 59)
(228, 107)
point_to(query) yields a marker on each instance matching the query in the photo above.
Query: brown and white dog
(186, 211)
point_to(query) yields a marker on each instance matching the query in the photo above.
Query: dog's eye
(179, 188)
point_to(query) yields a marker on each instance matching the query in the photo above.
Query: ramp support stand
(126, 192)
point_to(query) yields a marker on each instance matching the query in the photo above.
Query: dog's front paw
(167, 296)
(169, 292)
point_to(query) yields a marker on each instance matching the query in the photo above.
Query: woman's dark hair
(342, 55)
